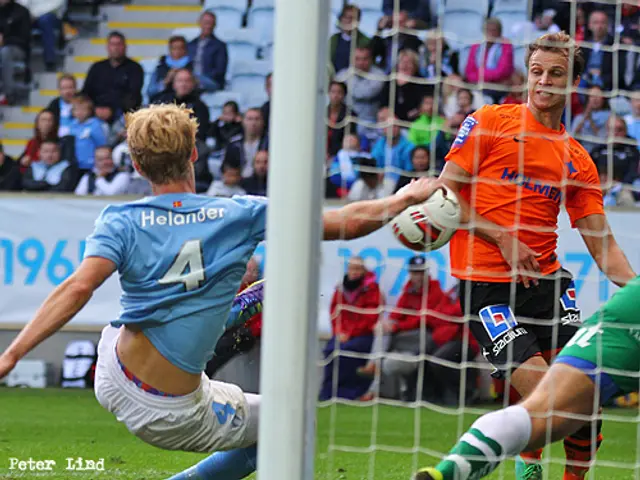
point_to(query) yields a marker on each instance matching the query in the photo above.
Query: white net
(404, 374)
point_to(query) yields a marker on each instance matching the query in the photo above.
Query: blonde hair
(161, 139)
(558, 43)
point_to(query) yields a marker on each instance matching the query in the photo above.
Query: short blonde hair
(161, 139)
(558, 43)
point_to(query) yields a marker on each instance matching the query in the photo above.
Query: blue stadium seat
(369, 21)
(229, 13)
(262, 17)
(149, 65)
(256, 99)
(242, 43)
(336, 7)
(462, 28)
(248, 77)
(218, 99)
(519, 53)
(189, 33)
(511, 6)
(481, 7)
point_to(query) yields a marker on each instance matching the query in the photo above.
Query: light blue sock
(232, 465)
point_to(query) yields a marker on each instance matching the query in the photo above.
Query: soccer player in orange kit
(513, 168)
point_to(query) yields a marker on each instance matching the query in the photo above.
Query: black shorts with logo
(513, 323)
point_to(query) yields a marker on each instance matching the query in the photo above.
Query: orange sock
(579, 452)
(532, 456)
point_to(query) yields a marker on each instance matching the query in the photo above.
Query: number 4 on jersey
(187, 268)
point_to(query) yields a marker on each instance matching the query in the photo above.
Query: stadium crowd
(381, 130)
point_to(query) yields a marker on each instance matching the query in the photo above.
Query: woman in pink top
(492, 61)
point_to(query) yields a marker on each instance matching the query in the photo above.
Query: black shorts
(513, 323)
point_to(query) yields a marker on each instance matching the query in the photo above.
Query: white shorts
(186, 422)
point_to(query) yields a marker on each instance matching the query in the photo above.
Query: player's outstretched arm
(59, 307)
(604, 249)
(361, 218)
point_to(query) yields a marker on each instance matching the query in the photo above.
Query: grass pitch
(353, 442)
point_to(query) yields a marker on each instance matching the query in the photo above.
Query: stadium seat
(266, 52)
(511, 6)
(462, 28)
(248, 77)
(255, 99)
(509, 20)
(218, 99)
(336, 7)
(481, 7)
(369, 21)
(518, 59)
(189, 33)
(261, 17)
(242, 43)
(229, 13)
(149, 65)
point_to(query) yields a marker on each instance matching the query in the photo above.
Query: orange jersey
(521, 174)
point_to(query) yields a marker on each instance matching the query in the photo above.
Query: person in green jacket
(425, 128)
(340, 44)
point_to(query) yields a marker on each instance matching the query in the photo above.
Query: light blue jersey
(181, 258)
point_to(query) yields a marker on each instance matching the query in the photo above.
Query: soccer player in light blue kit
(180, 258)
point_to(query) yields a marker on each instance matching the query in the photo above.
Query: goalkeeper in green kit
(602, 360)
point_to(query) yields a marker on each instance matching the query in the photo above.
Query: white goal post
(288, 385)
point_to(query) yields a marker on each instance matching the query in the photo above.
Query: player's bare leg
(538, 420)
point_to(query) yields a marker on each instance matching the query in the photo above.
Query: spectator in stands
(44, 128)
(229, 185)
(184, 91)
(337, 113)
(436, 58)
(622, 156)
(89, 132)
(406, 92)
(464, 101)
(45, 18)
(227, 126)
(168, 65)
(420, 162)
(10, 178)
(515, 95)
(590, 126)
(256, 184)
(423, 304)
(138, 185)
(15, 41)
(424, 128)
(105, 179)
(355, 309)
(369, 184)
(341, 171)
(383, 47)
(266, 106)
(243, 148)
(543, 23)
(446, 136)
(630, 38)
(581, 24)
(364, 91)
(340, 43)
(633, 118)
(209, 55)
(61, 106)
(492, 61)
(114, 124)
(452, 85)
(392, 150)
(53, 173)
(599, 63)
(116, 81)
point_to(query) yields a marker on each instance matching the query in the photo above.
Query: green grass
(56, 424)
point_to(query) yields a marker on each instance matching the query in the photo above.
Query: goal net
(403, 376)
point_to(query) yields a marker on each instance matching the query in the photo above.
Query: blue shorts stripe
(608, 387)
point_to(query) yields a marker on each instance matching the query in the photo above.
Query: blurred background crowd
(401, 81)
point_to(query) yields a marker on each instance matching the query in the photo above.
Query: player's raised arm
(604, 249)
(361, 218)
(59, 307)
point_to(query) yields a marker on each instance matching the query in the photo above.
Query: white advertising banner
(42, 242)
